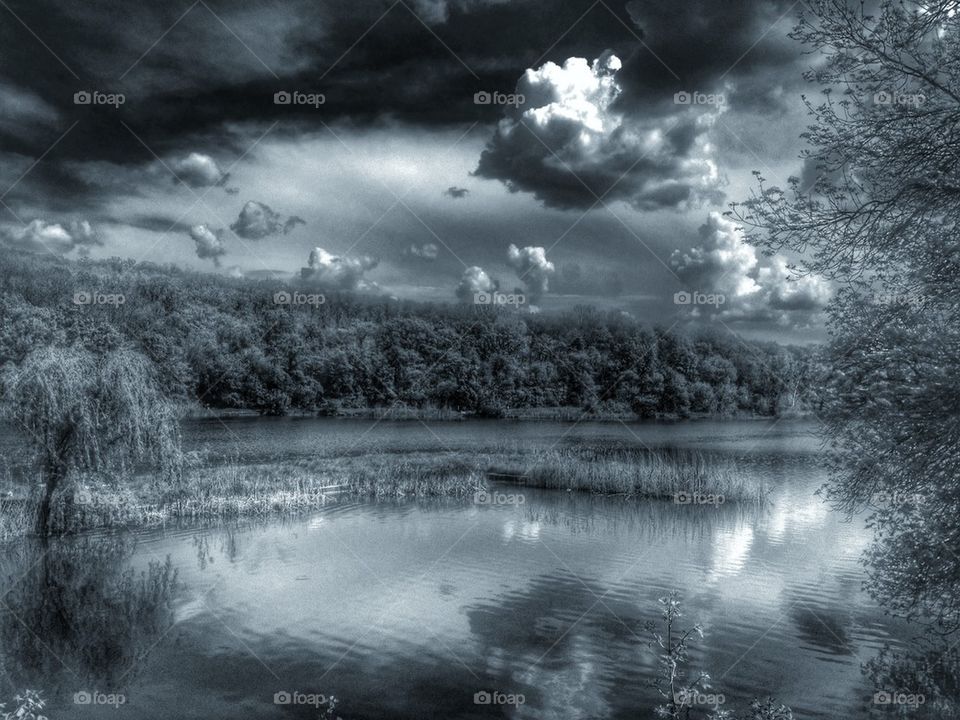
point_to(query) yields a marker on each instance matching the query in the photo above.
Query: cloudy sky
(576, 151)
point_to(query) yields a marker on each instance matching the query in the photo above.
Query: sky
(556, 152)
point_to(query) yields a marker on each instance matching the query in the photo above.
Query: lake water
(408, 609)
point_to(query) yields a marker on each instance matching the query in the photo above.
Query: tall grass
(230, 488)
(632, 472)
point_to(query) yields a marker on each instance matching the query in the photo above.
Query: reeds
(235, 489)
(632, 472)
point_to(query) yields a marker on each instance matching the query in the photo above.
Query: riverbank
(211, 488)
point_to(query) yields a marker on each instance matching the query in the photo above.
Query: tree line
(229, 344)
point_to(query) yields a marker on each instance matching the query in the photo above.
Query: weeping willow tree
(88, 413)
(878, 211)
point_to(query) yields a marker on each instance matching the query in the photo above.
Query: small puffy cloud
(338, 272)
(475, 280)
(532, 266)
(427, 251)
(567, 144)
(258, 220)
(209, 242)
(455, 192)
(292, 223)
(199, 170)
(755, 290)
(723, 262)
(41, 235)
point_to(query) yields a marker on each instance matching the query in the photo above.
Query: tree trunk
(54, 474)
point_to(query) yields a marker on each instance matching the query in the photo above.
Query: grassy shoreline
(234, 490)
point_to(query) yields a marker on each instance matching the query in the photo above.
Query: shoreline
(557, 414)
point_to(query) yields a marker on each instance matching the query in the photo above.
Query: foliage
(84, 412)
(929, 669)
(674, 682)
(226, 344)
(29, 705)
(688, 693)
(880, 219)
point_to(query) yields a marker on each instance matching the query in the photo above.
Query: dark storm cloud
(699, 45)
(257, 221)
(368, 65)
(190, 86)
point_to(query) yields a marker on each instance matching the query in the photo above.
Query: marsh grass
(17, 517)
(633, 472)
(231, 488)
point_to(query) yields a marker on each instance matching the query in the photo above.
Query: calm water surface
(408, 609)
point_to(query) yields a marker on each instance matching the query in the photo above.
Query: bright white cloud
(787, 291)
(532, 266)
(567, 144)
(41, 235)
(723, 262)
(338, 272)
(754, 289)
(199, 170)
(475, 280)
(209, 242)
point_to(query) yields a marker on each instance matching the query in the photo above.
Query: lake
(410, 608)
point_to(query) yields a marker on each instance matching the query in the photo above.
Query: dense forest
(229, 344)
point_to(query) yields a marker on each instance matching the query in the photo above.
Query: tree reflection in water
(923, 683)
(76, 614)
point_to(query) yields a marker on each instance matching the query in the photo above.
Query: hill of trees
(228, 344)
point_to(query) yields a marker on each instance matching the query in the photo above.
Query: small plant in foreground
(28, 707)
(688, 694)
(674, 683)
